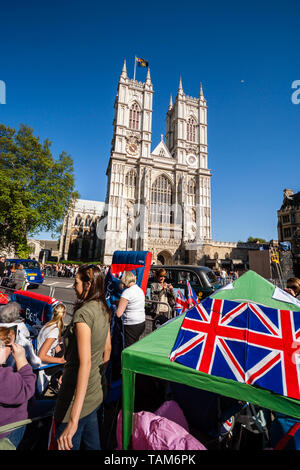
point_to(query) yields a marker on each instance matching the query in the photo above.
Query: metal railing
(169, 313)
(69, 304)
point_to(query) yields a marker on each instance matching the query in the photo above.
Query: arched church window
(134, 117)
(161, 201)
(88, 221)
(130, 178)
(191, 130)
(191, 189)
(130, 183)
(78, 220)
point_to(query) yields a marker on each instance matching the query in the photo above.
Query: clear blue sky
(61, 62)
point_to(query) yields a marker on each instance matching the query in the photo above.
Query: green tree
(256, 240)
(35, 189)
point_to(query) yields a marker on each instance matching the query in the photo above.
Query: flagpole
(134, 67)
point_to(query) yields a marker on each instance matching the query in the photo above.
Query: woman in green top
(87, 346)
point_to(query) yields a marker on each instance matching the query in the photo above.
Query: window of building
(78, 220)
(88, 221)
(134, 117)
(130, 184)
(191, 189)
(191, 130)
(161, 201)
(287, 232)
(285, 219)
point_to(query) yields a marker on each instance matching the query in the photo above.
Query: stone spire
(148, 78)
(201, 95)
(171, 102)
(124, 71)
(201, 91)
(180, 89)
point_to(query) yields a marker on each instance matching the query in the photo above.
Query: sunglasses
(14, 329)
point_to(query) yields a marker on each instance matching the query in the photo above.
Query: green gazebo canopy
(150, 356)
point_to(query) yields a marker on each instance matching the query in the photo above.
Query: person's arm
(289, 291)
(45, 357)
(121, 307)
(83, 335)
(17, 387)
(155, 291)
(107, 348)
(170, 292)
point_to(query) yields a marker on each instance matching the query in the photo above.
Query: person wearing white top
(50, 336)
(132, 308)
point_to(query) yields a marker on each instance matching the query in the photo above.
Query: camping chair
(285, 433)
(37, 310)
(38, 433)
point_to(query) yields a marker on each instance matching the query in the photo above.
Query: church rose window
(161, 201)
(134, 117)
(191, 130)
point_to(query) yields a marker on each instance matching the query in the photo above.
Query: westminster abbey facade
(157, 200)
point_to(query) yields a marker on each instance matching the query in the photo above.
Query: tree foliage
(256, 240)
(35, 189)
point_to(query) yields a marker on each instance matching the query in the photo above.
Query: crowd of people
(79, 351)
(65, 270)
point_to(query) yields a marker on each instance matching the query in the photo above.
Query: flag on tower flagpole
(141, 63)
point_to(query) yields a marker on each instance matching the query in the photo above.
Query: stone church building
(157, 200)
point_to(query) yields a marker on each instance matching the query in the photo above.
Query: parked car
(202, 280)
(32, 268)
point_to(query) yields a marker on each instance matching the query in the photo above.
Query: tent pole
(128, 392)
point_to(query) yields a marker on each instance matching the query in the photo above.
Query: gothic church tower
(186, 139)
(131, 145)
(157, 200)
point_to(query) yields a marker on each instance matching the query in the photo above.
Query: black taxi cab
(201, 278)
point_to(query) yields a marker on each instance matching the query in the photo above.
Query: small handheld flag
(182, 304)
(192, 299)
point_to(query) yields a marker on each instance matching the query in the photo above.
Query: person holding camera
(16, 387)
(163, 293)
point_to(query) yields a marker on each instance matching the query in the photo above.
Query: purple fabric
(157, 432)
(172, 411)
(16, 388)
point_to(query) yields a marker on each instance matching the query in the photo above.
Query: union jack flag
(192, 298)
(182, 304)
(246, 342)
